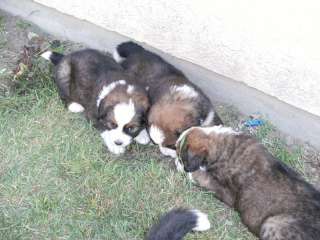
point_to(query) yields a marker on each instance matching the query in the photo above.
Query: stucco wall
(273, 45)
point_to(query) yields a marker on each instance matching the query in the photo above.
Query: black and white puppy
(176, 103)
(91, 82)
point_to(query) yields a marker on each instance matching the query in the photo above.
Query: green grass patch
(22, 24)
(3, 40)
(57, 180)
(276, 145)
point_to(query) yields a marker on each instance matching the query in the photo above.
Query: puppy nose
(118, 142)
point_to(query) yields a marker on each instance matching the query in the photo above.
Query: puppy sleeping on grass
(91, 82)
(274, 202)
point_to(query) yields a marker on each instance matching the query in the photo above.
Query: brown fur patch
(172, 119)
(198, 141)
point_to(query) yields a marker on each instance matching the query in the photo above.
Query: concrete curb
(290, 120)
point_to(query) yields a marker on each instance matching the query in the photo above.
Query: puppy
(176, 103)
(91, 82)
(274, 202)
(177, 223)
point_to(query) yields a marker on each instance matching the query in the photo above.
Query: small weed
(3, 39)
(22, 24)
(57, 46)
(276, 145)
(2, 28)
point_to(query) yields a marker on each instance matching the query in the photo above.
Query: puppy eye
(111, 125)
(172, 146)
(132, 129)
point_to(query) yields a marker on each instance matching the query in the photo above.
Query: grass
(3, 40)
(22, 24)
(57, 181)
(275, 144)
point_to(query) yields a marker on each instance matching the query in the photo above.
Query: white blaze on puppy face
(116, 139)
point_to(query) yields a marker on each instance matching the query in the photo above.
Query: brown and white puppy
(92, 82)
(176, 103)
(274, 202)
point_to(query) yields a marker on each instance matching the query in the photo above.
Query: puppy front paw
(143, 137)
(75, 107)
(178, 164)
(168, 152)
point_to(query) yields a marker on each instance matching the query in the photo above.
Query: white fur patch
(156, 134)
(190, 177)
(75, 107)
(123, 114)
(203, 168)
(187, 91)
(208, 119)
(107, 89)
(117, 57)
(108, 137)
(179, 165)
(46, 55)
(203, 223)
(168, 152)
(130, 89)
(143, 137)
(218, 130)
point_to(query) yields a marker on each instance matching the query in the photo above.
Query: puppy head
(122, 115)
(192, 149)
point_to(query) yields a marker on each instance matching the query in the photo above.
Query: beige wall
(273, 45)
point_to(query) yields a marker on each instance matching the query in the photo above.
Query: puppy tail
(177, 223)
(53, 57)
(125, 49)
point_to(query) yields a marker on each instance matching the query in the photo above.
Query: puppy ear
(103, 110)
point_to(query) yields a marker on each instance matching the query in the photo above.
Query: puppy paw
(178, 164)
(75, 107)
(143, 137)
(168, 152)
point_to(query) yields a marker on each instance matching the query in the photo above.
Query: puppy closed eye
(111, 125)
(132, 129)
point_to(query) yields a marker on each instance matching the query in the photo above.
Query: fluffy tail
(177, 223)
(54, 57)
(125, 49)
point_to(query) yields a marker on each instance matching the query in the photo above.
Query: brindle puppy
(274, 202)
